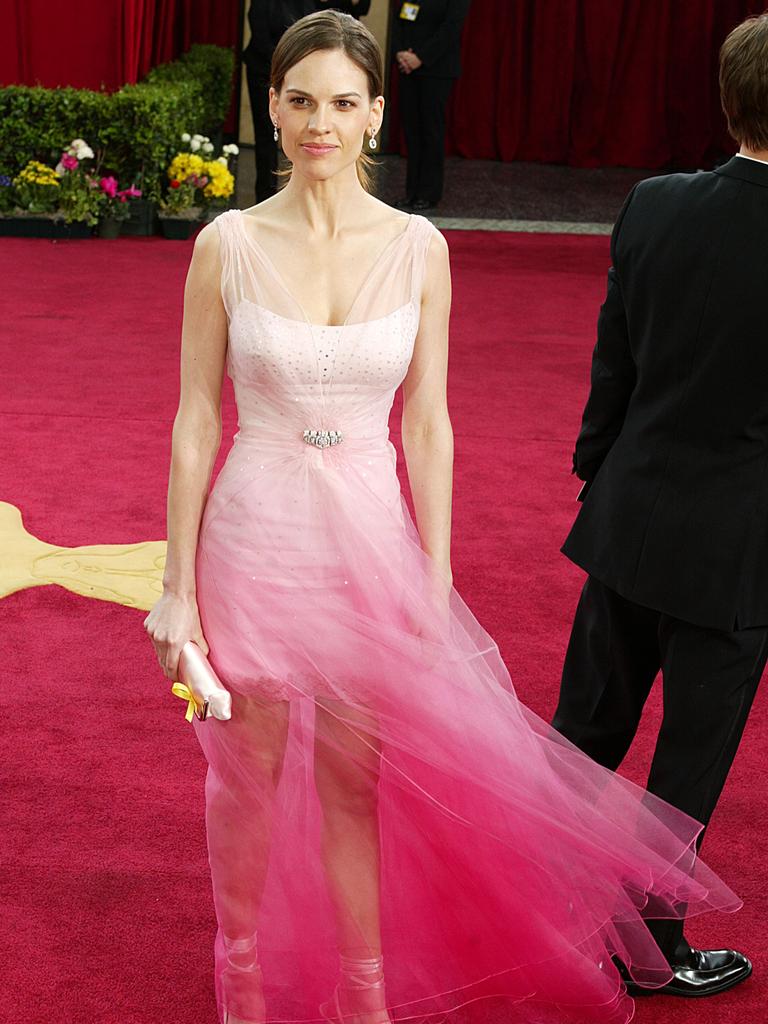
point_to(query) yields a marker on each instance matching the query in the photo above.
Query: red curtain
(92, 44)
(591, 82)
(582, 82)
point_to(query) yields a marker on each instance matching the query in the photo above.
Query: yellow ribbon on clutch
(180, 690)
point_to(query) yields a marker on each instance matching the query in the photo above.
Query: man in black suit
(268, 19)
(426, 44)
(674, 451)
(357, 8)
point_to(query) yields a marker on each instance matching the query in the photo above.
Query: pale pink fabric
(375, 749)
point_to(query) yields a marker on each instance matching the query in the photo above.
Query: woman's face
(323, 112)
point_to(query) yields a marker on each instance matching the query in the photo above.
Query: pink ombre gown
(379, 775)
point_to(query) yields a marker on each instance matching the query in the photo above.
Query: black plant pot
(177, 228)
(142, 219)
(109, 227)
(43, 227)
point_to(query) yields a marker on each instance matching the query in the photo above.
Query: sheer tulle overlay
(380, 788)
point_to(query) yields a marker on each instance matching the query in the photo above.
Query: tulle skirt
(381, 787)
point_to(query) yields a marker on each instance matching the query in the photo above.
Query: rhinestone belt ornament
(322, 438)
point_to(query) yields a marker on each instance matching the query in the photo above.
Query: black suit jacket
(435, 36)
(268, 19)
(358, 10)
(674, 437)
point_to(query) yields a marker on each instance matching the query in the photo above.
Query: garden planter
(178, 228)
(43, 227)
(109, 227)
(142, 219)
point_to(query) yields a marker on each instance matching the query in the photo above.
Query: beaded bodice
(292, 376)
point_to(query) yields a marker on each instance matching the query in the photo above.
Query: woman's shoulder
(376, 220)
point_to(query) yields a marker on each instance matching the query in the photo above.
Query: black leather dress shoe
(703, 972)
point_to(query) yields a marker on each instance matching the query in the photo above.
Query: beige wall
(375, 20)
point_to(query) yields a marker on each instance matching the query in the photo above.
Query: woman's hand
(430, 622)
(173, 621)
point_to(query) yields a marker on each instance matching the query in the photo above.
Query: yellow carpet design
(129, 574)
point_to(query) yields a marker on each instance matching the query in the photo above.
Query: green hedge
(134, 132)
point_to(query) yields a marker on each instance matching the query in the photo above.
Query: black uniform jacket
(268, 19)
(674, 438)
(358, 10)
(435, 36)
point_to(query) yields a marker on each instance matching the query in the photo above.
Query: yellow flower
(184, 164)
(36, 173)
(221, 183)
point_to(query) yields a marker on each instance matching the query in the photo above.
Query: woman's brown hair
(744, 82)
(332, 30)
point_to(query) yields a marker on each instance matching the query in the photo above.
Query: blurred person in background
(357, 8)
(268, 19)
(426, 43)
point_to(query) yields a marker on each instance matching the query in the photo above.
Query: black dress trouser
(709, 682)
(423, 102)
(263, 134)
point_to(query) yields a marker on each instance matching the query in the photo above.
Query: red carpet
(106, 910)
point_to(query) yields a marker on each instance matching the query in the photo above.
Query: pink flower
(68, 161)
(109, 186)
(132, 191)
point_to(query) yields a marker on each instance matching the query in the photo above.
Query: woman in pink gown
(392, 835)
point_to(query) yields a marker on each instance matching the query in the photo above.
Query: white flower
(207, 147)
(200, 138)
(221, 160)
(230, 148)
(59, 168)
(194, 144)
(84, 153)
(185, 136)
(77, 143)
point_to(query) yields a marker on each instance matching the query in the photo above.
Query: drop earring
(372, 141)
(274, 134)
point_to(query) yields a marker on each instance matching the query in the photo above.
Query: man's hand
(407, 61)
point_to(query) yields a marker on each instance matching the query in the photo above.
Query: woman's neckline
(279, 277)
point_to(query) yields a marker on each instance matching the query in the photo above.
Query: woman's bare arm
(196, 438)
(427, 434)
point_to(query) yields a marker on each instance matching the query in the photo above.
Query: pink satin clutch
(200, 686)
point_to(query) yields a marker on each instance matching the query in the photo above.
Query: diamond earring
(275, 136)
(372, 141)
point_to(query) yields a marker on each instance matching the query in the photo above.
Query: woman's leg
(347, 756)
(245, 757)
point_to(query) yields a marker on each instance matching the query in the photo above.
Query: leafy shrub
(134, 131)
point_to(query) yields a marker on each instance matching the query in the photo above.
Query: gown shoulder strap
(229, 227)
(423, 233)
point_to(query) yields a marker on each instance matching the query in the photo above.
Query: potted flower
(79, 198)
(59, 201)
(221, 183)
(30, 205)
(37, 188)
(180, 208)
(114, 206)
(29, 202)
(196, 181)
